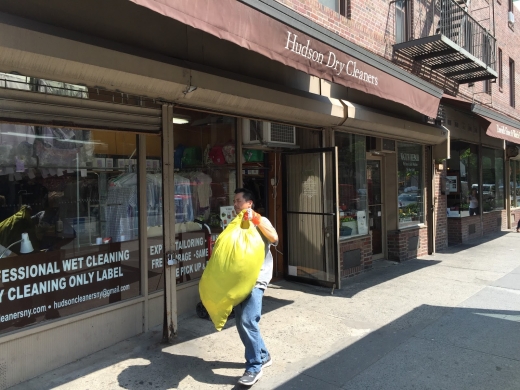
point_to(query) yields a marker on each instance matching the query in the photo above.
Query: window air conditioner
(267, 133)
(511, 17)
(384, 145)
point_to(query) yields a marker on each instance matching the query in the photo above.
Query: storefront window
(514, 182)
(410, 184)
(205, 181)
(463, 180)
(71, 196)
(154, 213)
(352, 184)
(492, 189)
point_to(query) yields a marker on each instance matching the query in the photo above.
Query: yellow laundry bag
(232, 270)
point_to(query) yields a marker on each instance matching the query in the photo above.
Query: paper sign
(18, 176)
(52, 172)
(44, 173)
(227, 214)
(83, 173)
(31, 174)
(11, 177)
(20, 165)
(59, 172)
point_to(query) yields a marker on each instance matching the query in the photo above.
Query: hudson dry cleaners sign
(327, 59)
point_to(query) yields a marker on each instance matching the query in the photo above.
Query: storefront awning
(244, 26)
(500, 126)
(378, 124)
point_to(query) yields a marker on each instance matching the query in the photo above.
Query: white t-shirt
(473, 202)
(266, 272)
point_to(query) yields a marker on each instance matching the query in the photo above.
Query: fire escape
(441, 42)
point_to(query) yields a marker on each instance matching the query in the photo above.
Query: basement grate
(3, 375)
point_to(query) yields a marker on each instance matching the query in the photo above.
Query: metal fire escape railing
(443, 37)
(463, 30)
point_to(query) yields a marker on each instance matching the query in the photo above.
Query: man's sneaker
(268, 362)
(250, 378)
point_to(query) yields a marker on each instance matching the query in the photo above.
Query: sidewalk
(448, 321)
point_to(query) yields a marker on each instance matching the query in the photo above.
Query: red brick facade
(364, 246)
(462, 230)
(515, 217)
(408, 243)
(441, 205)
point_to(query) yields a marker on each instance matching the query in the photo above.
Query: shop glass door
(311, 228)
(375, 206)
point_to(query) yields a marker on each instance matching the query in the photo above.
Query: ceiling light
(180, 120)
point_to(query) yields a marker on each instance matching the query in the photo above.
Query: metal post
(170, 287)
(143, 225)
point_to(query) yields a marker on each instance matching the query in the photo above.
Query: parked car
(407, 199)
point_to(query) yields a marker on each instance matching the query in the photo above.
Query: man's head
(243, 200)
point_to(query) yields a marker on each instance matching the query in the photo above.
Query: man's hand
(252, 216)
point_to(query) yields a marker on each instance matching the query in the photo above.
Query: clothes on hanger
(121, 211)
(183, 200)
(154, 199)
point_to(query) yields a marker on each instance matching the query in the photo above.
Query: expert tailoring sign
(191, 255)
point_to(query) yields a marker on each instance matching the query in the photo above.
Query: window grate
(282, 133)
(3, 375)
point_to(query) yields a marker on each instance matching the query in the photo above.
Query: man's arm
(268, 230)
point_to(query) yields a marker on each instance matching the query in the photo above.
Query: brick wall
(515, 217)
(441, 204)
(465, 229)
(460, 230)
(494, 221)
(407, 244)
(368, 26)
(361, 247)
(507, 40)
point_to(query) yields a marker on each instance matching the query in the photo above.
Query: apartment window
(332, 4)
(500, 74)
(511, 82)
(400, 21)
(510, 5)
(345, 8)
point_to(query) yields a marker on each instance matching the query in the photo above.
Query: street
(447, 321)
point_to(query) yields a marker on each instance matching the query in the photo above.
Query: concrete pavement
(447, 321)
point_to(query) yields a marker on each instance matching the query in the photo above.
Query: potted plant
(349, 222)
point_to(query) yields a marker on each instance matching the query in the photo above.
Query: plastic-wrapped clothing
(232, 270)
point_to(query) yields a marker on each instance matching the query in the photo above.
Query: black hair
(248, 195)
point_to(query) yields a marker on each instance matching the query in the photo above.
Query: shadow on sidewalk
(168, 369)
(355, 285)
(456, 248)
(431, 347)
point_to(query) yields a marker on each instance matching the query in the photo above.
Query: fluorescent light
(180, 121)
